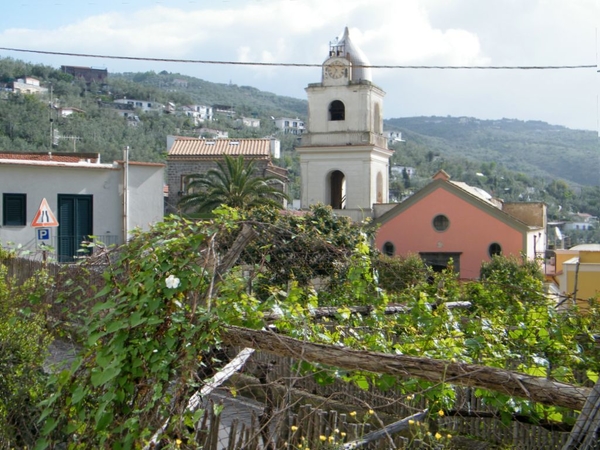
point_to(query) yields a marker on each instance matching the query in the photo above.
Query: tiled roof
(280, 172)
(50, 156)
(209, 148)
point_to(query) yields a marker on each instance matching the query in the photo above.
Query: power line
(279, 64)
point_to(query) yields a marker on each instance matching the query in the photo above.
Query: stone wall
(178, 169)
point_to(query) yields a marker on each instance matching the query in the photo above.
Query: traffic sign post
(44, 217)
(43, 234)
(43, 220)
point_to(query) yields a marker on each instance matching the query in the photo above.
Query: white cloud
(390, 32)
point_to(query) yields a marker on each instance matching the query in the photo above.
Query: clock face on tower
(335, 70)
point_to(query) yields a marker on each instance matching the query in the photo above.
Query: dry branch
(507, 382)
(210, 385)
(388, 430)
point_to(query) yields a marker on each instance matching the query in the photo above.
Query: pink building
(449, 220)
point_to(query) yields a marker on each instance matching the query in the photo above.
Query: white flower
(172, 282)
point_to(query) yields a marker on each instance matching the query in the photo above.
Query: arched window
(337, 190)
(337, 110)
(378, 123)
(379, 184)
(388, 249)
(494, 249)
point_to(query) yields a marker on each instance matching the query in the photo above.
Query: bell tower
(344, 156)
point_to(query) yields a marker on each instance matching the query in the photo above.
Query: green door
(75, 225)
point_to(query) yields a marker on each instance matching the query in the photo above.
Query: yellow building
(578, 273)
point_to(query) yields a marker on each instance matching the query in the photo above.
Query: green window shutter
(75, 216)
(14, 210)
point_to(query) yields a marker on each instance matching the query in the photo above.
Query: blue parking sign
(43, 234)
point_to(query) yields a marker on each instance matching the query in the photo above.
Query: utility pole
(51, 119)
(126, 194)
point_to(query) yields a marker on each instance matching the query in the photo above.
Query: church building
(344, 156)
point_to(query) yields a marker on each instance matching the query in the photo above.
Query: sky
(389, 32)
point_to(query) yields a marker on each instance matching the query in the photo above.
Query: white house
(289, 125)
(86, 197)
(393, 136)
(198, 113)
(28, 85)
(144, 105)
(581, 222)
(249, 122)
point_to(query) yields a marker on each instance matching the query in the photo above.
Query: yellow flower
(294, 428)
(353, 413)
(438, 436)
(371, 411)
(178, 442)
(330, 438)
(449, 436)
(343, 434)
(323, 438)
(410, 397)
(441, 413)
(337, 430)
(411, 422)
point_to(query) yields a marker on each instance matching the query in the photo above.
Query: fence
(272, 405)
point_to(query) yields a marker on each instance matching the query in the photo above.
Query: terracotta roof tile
(210, 148)
(50, 156)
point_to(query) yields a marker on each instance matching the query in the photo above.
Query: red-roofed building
(449, 220)
(189, 156)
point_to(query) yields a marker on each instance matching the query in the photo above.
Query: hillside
(532, 147)
(513, 159)
(246, 100)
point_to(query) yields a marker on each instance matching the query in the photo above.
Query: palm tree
(232, 183)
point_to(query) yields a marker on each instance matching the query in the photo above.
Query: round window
(494, 249)
(441, 222)
(388, 249)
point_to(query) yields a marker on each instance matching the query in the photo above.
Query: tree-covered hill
(532, 147)
(514, 160)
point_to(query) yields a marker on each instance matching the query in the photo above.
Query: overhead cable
(281, 64)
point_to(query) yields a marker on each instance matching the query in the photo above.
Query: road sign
(44, 216)
(43, 234)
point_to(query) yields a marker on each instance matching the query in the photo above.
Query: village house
(144, 105)
(190, 156)
(88, 74)
(28, 85)
(576, 273)
(249, 122)
(289, 126)
(86, 197)
(198, 113)
(580, 222)
(449, 221)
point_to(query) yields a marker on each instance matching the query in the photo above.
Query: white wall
(104, 182)
(146, 198)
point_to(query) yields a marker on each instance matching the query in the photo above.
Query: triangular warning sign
(44, 216)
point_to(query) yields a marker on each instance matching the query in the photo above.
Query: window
(337, 110)
(14, 207)
(494, 249)
(441, 222)
(388, 249)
